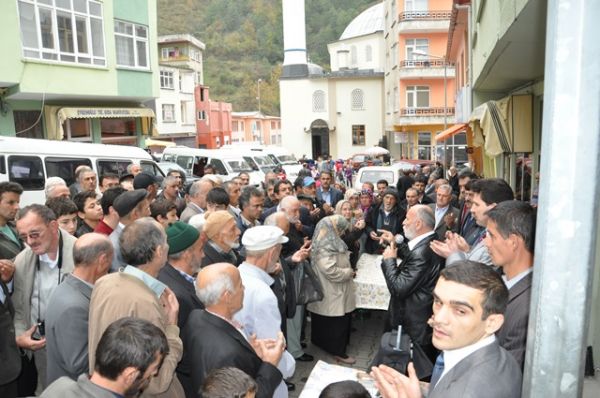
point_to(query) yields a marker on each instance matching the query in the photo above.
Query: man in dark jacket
(386, 216)
(223, 239)
(412, 282)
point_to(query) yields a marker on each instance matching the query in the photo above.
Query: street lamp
(445, 95)
(258, 92)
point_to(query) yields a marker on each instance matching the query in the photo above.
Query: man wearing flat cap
(147, 182)
(183, 263)
(260, 312)
(130, 206)
(223, 239)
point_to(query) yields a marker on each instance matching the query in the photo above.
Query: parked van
(277, 157)
(227, 164)
(285, 159)
(30, 161)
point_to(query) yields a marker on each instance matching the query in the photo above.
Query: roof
(369, 21)
(181, 38)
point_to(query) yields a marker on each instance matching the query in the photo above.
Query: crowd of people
(129, 285)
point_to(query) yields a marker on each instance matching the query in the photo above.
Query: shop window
(131, 45)
(118, 128)
(28, 124)
(358, 134)
(424, 145)
(77, 130)
(27, 171)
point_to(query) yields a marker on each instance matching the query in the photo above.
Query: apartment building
(255, 127)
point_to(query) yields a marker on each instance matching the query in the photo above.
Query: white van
(373, 174)
(30, 161)
(276, 157)
(284, 158)
(227, 164)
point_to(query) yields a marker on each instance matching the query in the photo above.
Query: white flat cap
(262, 237)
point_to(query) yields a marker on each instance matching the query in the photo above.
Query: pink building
(255, 127)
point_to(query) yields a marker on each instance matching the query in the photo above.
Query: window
(201, 115)
(368, 53)
(166, 79)
(28, 124)
(118, 167)
(164, 53)
(424, 145)
(358, 134)
(131, 43)
(417, 96)
(415, 5)
(353, 56)
(64, 167)
(168, 113)
(235, 125)
(27, 171)
(416, 45)
(77, 130)
(66, 31)
(113, 130)
(318, 101)
(357, 100)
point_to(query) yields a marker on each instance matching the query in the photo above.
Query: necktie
(438, 369)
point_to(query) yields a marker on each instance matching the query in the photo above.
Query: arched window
(357, 100)
(318, 101)
(353, 56)
(368, 53)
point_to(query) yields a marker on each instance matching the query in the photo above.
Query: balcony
(424, 21)
(425, 68)
(433, 115)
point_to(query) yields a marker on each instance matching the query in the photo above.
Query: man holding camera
(40, 268)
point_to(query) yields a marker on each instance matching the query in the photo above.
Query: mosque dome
(369, 21)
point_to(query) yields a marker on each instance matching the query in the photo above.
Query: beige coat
(120, 295)
(336, 276)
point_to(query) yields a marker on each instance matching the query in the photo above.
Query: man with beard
(186, 247)
(412, 282)
(386, 216)
(223, 238)
(260, 312)
(128, 356)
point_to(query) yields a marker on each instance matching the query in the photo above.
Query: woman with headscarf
(353, 233)
(330, 325)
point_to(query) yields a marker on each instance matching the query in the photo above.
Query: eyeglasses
(33, 235)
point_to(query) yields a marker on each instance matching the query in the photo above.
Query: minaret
(294, 40)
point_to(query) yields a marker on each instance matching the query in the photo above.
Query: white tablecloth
(324, 374)
(371, 290)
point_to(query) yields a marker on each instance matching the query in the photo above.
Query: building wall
(375, 41)
(432, 5)
(184, 105)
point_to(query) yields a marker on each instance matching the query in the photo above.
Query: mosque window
(318, 101)
(368, 53)
(357, 100)
(353, 56)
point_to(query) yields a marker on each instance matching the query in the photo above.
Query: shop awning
(164, 144)
(450, 132)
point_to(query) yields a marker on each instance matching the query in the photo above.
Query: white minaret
(294, 39)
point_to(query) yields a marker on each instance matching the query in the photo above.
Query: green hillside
(244, 42)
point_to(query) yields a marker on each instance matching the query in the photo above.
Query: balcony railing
(424, 63)
(424, 15)
(440, 111)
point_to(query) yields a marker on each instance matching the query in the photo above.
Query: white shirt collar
(44, 258)
(254, 271)
(517, 278)
(453, 357)
(413, 242)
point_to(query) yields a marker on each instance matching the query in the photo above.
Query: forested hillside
(244, 42)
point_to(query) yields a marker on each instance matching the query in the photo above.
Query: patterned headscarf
(327, 235)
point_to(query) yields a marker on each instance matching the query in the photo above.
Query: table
(371, 289)
(324, 374)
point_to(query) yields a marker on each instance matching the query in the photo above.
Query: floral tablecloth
(324, 374)
(371, 290)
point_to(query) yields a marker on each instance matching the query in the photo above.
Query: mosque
(337, 113)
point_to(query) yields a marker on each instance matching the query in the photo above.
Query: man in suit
(412, 282)
(197, 202)
(487, 193)
(446, 216)
(510, 239)
(467, 227)
(69, 305)
(327, 194)
(128, 357)
(39, 269)
(10, 243)
(223, 239)
(186, 245)
(469, 302)
(213, 340)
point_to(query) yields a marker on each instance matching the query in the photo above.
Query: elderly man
(234, 191)
(412, 282)
(446, 216)
(56, 187)
(197, 202)
(128, 357)
(223, 239)
(85, 179)
(260, 313)
(487, 193)
(130, 206)
(251, 206)
(186, 246)
(69, 305)
(386, 216)
(134, 169)
(469, 304)
(510, 242)
(39, 269)
(170, 192)
(213, 340)
(135, 291)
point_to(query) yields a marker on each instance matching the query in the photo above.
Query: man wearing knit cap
(183, 263)
(260, 313)
(223, 238)
(130, 206)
